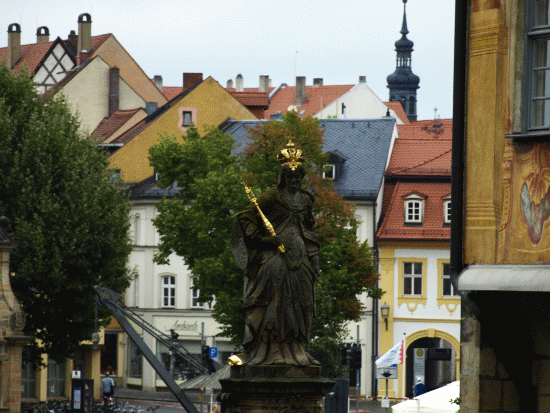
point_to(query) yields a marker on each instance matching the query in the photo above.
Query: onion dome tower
(403, 83)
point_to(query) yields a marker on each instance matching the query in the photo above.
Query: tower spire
(403, 83)
(404, 29)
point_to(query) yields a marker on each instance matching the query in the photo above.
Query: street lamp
(385, 312)
(95, 335)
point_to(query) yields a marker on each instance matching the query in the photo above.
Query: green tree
(69, 224)
(197, 223)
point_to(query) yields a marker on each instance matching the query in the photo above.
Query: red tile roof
(110, 125)
(432, 228)
(249, 97)
(252, 98)
(440, 129)
(32, 54)
(399, 111)
(317, 97)
(170, 92)
(423, 148)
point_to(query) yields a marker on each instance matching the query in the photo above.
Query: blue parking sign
(213, 352)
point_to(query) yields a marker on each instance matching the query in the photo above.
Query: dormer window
(447, 210)
(329, 171)
(414, 209)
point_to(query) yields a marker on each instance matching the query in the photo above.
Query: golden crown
(290, 156)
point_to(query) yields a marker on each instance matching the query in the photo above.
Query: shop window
(28, 381)
(56, 378)
(135, 358)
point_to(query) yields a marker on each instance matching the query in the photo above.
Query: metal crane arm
(111, 300)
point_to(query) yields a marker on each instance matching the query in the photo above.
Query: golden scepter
(267, 224)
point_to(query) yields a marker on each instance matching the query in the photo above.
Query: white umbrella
(435, 401)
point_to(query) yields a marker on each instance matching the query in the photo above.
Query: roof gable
(317, 97)
(109, 128)
(210, 104)
(397, 108)
(33, 55)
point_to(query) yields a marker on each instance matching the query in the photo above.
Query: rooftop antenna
(295, 71)
(435, 112)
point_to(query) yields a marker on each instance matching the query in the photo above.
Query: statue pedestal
(274, 389)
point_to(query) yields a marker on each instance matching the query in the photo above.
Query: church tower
(403, 83)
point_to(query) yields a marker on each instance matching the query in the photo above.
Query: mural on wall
(524, 235)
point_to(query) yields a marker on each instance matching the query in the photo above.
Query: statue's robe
(279, 297)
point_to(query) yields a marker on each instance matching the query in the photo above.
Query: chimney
(114, 98)
(362, 79)
(300, 90)
(82, 57)
(84, 33)
(239, 83)
(230, 84)
(191, 79)
(42, 35)
(264, 83)
(73, 38)
(157, 80)
(14, 44)
(318, 81)
(151, 107)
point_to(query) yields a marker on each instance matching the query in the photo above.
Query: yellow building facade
(501, 241)
(205, 105)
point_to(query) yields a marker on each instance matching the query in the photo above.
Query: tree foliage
(196, 224)
(68, 222)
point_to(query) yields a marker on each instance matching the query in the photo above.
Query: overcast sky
(337, 40)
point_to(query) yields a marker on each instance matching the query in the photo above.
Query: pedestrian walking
(107, 388)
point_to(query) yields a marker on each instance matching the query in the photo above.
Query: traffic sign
(386, 372)
(213, 352)
(385, 402)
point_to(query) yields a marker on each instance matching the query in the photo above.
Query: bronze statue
(279, 292)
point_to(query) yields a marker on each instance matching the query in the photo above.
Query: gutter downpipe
(374, 341)
(458, 145)
(458, 140)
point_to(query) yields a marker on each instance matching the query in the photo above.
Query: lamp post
(95, 335)
(385, 312)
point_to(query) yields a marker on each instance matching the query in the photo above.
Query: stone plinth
(12, 340)
(274, 389)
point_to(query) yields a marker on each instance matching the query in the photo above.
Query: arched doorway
(437, 367)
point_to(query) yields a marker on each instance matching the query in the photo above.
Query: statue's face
(293, 181)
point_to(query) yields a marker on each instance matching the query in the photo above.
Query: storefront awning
(505, 277)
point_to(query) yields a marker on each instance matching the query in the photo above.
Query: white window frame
(447, 209)
(194, 294)
(413, 275)
(168, 291)
(537, 75)
(414, 209)
(446, 278)
(326, 174)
